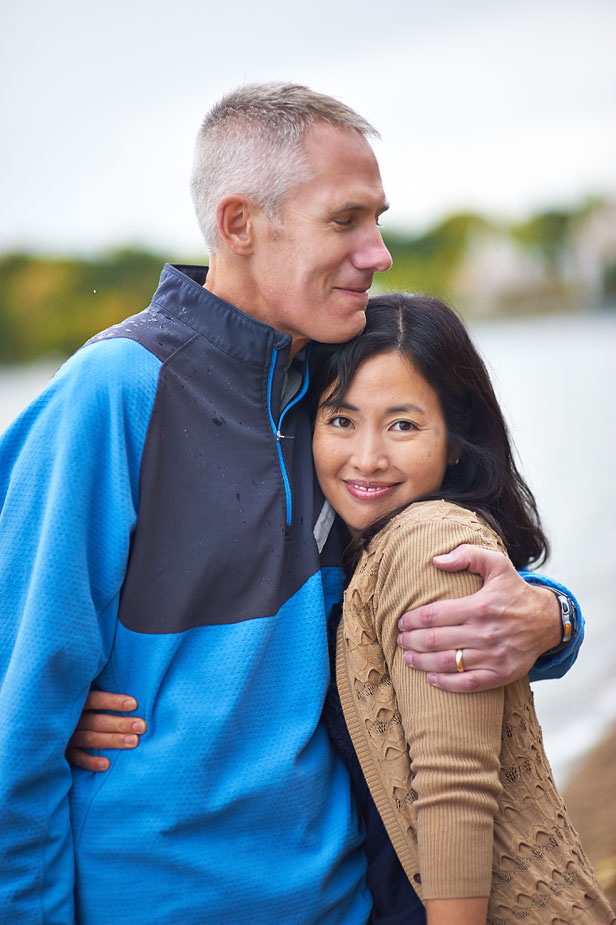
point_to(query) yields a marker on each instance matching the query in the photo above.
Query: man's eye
(343, 222)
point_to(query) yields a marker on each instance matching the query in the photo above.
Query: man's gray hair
(250, 144)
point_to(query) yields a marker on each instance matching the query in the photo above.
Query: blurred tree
(548, 234)
(52, 305)
(427, 262)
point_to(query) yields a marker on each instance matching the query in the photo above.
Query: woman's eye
(404, 427)
(340, 421)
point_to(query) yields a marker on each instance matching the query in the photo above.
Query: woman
(411, 450)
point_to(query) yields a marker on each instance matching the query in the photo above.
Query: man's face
(314, 266)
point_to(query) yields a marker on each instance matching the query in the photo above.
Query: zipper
(278, 435)
(276, 432)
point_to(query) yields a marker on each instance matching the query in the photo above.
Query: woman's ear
(234, 219)
(453, 457)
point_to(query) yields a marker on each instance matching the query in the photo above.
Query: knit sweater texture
(461, 781)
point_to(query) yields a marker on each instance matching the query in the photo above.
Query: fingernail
(138, 726)
(445, 556)
(433, 679)
(408, 658)
(131, 741)
(130, 704)
(102, 764)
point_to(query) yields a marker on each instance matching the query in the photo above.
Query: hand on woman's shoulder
(397, 572)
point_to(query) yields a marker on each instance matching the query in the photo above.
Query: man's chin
(345, 332)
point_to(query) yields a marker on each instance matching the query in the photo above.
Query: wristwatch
(567, 614)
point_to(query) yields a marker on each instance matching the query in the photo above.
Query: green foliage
(428, 262)
(548, 234)
(51, 306)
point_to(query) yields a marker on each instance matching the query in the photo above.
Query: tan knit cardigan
(461, 781)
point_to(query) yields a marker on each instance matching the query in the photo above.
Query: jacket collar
(181, 293)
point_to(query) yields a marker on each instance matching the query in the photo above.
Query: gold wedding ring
(459, 662)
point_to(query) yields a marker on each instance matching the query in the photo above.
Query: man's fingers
(81, 759)
(442, 641)
(466, 682)
(104, 722)
(86, 738)
(489, 636)
(480, 561)
(103, 700)
(453, 612)
(446, 661)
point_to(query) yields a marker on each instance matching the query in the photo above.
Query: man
(158, 519)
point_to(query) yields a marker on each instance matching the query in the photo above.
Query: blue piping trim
(299, 395)
(285, 477)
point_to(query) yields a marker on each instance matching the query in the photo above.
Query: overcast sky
(494, 106)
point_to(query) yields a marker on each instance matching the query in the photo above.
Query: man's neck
(233, 287)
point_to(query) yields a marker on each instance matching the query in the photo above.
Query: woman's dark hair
(433, 338)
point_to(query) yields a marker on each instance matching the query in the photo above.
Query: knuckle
(484, 608)
(470, 682)
(427, 615)
(89, 738)
(493, 635)
(510, 671)
(501, 654)
(430, 640)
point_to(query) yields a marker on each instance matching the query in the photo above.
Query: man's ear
(234, 219)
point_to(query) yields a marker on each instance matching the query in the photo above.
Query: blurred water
(556, 378)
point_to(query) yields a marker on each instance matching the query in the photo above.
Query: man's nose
(373, 255)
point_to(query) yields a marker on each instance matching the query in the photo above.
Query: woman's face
(385, 446)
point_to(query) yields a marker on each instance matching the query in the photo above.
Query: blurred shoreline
(589, 796)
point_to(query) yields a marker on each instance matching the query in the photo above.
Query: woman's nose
(369, 454)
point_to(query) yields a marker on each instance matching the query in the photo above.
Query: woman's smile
(368, 490)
